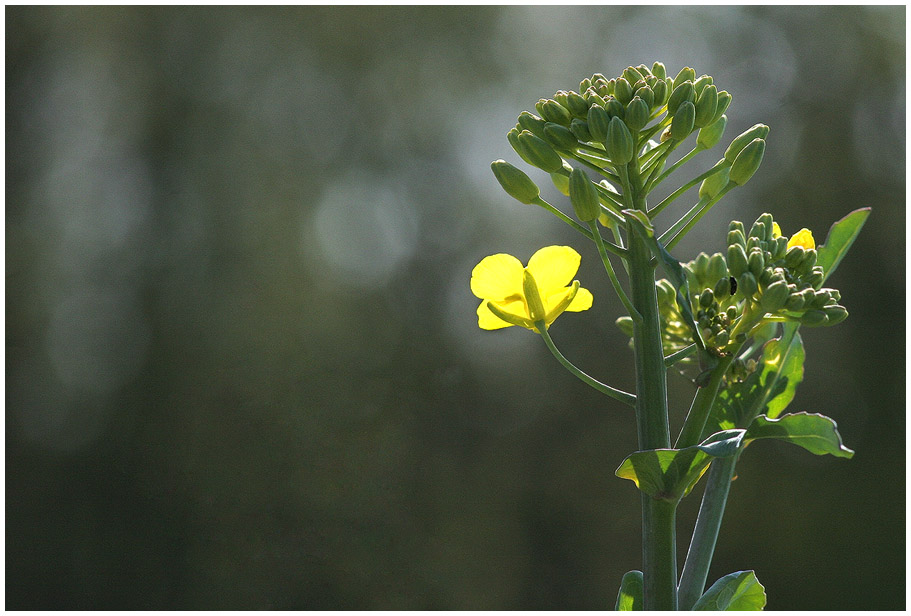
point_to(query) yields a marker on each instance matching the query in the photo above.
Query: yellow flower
(517, 295)
(776, 230)
(803, 238)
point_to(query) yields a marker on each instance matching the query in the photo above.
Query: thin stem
(584, 159)
(694, 423)
(676, 165)
(705, 534)
(670, 198)
(630, 309)
(683, 353)
(702, 212)
(620, 252)
(616, 394)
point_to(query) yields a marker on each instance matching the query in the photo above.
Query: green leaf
(841, 235)
(769, 390)
(630, 596)
(739, 591)
(671, 266)
(670, 474)
(816, 433)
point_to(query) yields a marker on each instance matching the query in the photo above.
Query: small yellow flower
(776, 230)
(508, 289)
(803, 238)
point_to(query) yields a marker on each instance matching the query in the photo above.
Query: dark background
(243, 366)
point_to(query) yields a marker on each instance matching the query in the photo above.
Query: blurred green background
(243, 366)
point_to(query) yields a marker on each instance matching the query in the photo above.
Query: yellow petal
(488, 320)
(582, 301)
(776, 230)
(497, 277)
(803, 238)
(553, 268)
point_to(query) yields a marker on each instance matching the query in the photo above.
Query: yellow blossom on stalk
(803, 238)
(517, 295)
(776, 230)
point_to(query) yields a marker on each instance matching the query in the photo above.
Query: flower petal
(803, 238)
(488, 320)
(497, 277)
(582, 301)
(553, 268)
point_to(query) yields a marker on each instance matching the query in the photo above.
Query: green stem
(683, 353)
(658, 547)
(667, 200)
(694, 424)
(705, 534)
(630, 309)
(620, 252)
(698, 215)
(676, 166)
(616, 394)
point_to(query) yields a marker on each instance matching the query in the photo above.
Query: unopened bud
(774, 297)
(560, 137)
(747, 162)
(737, 260)
(623, 91)
(532, 297)
(795, 302)
(756, 262)
(552, 111)
(735, 236)
(598, 121)
(722, 338)
(814, 318)
(632, 75)
(835, 314)
(724, 101)
(514, 181)
(746, 283)
(760, 131)
(561, 182)
(794, 257)
(647, 95)
(579, 129)
(710, 135)
(700, 84)
(615, 109)
(658, 70)
(636, 115)
(539, 152)
(662, 91)
(685, 74)
(706, 105)
(716, 267)
(619, 146)
(577, 105)
(714, 184)
(682, 92)
(583, 196)
(532, 123)
(513, 138)
(723, 287)
(707, 298)
(683, 122)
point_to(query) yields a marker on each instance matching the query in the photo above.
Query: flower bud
(532, 123)
(809, 260)
(722, 338)
(598, 121)
(781, 247)
(706, 105)
(707, 298)
(513, 137)
(815, 279)
(532, 297)
(619, 146)
(623, 91)
(593, 98)
(560, 97)
(625, 325)
(794, 257)
(716, 267)
(632, 75)
(723, 287)
(583, 196)
(814, 318)
(552, 111)
(579, 129)
(700, 84)
(666, 293)
(724, 100)
(714, 184)
(661, 91)
(735, 236)
(585, 84)
(685, 74)
(756, 262)
(710, 135)
(636, 115)
(736, 225)
(539, 152)
(658, 70)
(682, 92)
(737, 260)
(774, 297)
(577, 105)
(683, 122)
(795, 302)
(835, 314)
(560, 137)
(514, 181)
(746, 284)
(647, 95)
(758, 130)
(643, 70)
(758, 230)
(614, 109)
(747, 162)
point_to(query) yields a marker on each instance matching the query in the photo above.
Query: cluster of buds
(714, 304)
(782, 277)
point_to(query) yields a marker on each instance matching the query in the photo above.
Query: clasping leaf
(739, 591)
(816, 433)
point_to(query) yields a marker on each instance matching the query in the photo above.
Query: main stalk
(659, 553)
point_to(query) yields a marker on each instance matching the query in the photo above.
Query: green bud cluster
(780, 280)
(713, 299)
